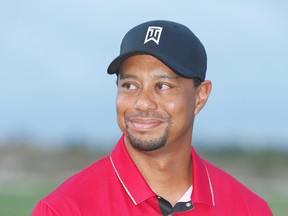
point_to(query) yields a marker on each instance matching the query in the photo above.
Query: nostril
(145, 101)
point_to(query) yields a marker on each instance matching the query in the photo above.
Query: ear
(202, 94)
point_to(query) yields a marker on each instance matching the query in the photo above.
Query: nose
(145, 101)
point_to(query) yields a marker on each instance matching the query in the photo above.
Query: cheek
(120, 102)
(181, 111)
(120, 110)
(181, 106)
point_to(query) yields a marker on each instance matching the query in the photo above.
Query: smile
(144, 124)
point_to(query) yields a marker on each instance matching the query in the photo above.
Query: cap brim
(115, 65)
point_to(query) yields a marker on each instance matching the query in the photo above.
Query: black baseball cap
(172, 43)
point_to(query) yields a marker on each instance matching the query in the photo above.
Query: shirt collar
(132, 180)
(128, 174)
(202, 185)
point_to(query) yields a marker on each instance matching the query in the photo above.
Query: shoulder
(78, 190)
(221, 180)
(94, 174)
(228, 190)
(89, 175)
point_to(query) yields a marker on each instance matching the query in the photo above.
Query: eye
(129, 86)
(162, 86)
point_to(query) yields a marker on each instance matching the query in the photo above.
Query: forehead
(148, 68)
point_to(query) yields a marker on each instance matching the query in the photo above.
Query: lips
(144, 124)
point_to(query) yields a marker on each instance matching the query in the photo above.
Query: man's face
(154, 105)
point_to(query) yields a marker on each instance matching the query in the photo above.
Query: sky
(54, 56)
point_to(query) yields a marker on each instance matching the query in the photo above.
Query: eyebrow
(126, 76)
(166, 76)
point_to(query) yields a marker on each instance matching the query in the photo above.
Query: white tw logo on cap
(153, 34)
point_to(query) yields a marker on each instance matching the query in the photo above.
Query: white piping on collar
(210, 184)
(122, 181)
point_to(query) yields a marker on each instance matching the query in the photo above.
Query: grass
(279, 207)
(22, 204)
(29, 174)
(16, 204)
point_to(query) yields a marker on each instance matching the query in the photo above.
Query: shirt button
(188, 204)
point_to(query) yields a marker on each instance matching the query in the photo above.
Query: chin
(147, 142)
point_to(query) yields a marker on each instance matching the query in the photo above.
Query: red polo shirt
(114, 186)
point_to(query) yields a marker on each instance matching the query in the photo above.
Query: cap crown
(172, 43)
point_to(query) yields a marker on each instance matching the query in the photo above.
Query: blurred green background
(27, 173)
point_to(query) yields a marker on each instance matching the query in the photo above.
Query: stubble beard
(150, 144)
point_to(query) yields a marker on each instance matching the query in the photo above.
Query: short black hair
(197, 82)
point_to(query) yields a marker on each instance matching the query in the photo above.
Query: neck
(168, 173)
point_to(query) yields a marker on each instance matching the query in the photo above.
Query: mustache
(148, 115)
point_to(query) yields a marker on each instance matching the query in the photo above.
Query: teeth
(140, 125)
(145, 124)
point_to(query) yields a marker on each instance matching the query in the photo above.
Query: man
(153, 170)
